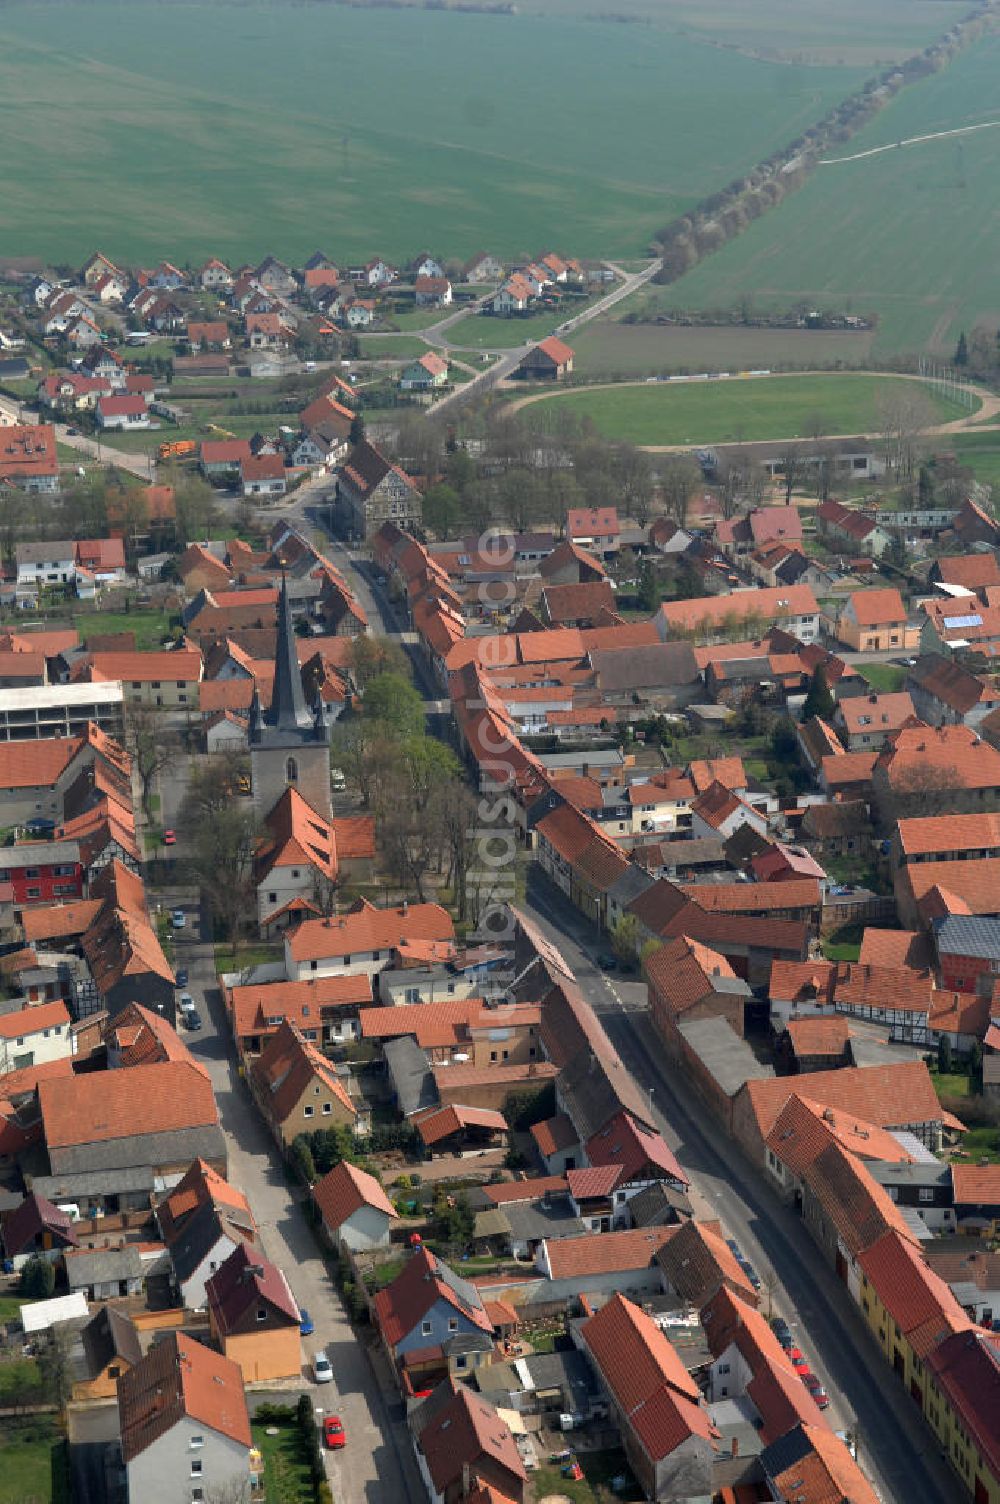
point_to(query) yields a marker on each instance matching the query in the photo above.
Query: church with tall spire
(290, 742)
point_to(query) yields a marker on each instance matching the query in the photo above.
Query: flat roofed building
(46, 710)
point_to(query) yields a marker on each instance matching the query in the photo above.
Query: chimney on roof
(827, 1115)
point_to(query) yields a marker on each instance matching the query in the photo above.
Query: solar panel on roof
(963, 621)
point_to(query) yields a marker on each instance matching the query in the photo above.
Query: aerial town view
(500, 752)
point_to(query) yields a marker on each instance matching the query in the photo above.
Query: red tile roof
(886, 1095)
(180, 1378)
(28, 451)
(422, 1283)
(104, 1105)
(467, 1433)
(976, 1185)
(344, 1190)
(443, 1122)
(827, 1474)
(708, 612)
(36, 764)
(587, 1256)
(878, 608)
(697, 1260)
(639, 1152)
(241, 1284)
(917, 1299)
(33, 1019)
(302, 1003)
(966, 1369)
(365, 928)
(554, 1134)
(650, 1384)
(288, 1065)
(818, 1036)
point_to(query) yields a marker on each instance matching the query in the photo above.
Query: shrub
(38, 1278)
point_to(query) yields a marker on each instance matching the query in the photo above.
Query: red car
(333, 1433)
(169, 838)
(801, 1368)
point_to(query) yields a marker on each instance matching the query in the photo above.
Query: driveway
(378, 1463)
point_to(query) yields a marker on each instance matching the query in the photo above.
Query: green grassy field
(981, 451)
(391, 346)
(884, 678)
(509, 132)
(777, 407)
(908, 235)
(34, 1463)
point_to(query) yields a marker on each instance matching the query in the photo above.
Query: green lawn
(599, 1468)
(951, 1084)
(980, 1143)
(885, 678)
(844, 944)
(392, 346)
(10, 1307)
(150, 627)
(286, 1472)
(878, 235)
(705, 412)
(582, 135)
(246, 956)
(484, 331)
(34, 1466)
(980, 451)
(20, 1381)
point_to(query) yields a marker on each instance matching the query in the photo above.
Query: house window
(307, 1112)
(197, 1467)
(291, 771)
(114, 1370)
(327, 1109)
(262, 1313)
(347, 960)
(425, 1328)
(452, 1324)
(34, 892)
(313, 965)
(197, 1441)
(926, 1193)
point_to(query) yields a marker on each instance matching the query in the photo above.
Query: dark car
(181, 979)
(607, 962)
(781, 1330)
(192, 1019)
(816, 1389)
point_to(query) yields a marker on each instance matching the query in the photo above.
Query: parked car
(816, 1389)
(306, 1324)
(181, 979)
(322, 1371)
(781, 1330)
(801, 1367)
(170, 838)
(607, 962)
(333, 1433)
(178, 918)
(192, 1019)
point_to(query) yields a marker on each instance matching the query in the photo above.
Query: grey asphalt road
(895, 1449)
(378, 1463)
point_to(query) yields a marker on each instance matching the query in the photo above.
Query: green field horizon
(738, 411)
(182, 131)
(908, 236)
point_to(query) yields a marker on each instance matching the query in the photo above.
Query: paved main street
(377, 1464)
(895, 1448)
